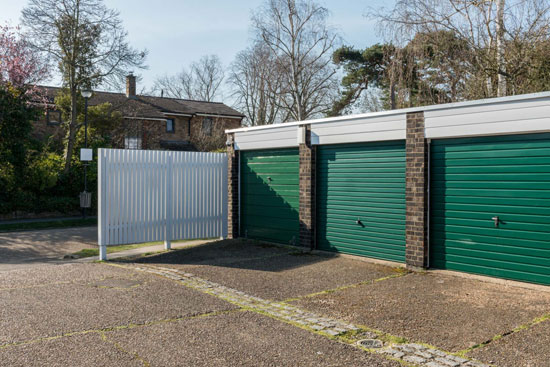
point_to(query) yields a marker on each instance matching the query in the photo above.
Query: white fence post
(101, 204)
(168, 207)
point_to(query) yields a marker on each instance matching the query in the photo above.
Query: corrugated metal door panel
(365, 182)
(476, 179)
(270, 195)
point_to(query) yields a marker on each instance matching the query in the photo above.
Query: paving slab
(277, 277)
(526, 348)
(131, 297)
(78, 350)
(448, 312)
(239, 339)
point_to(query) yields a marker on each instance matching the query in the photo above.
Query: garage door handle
(496, 220)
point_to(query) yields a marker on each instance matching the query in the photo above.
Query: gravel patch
(449, 312)
(79, 350)
(525, 348)
(129, 297)
(239, 339)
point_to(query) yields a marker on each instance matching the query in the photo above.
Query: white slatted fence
(147, 195)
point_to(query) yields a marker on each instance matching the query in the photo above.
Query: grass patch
(30, 226)
(88, 252)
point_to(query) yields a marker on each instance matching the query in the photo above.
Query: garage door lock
(496, 220)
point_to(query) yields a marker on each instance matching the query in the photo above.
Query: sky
(178, 32)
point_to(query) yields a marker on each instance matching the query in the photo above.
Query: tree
(87, 42)
(202, 82)
(301, 42)
(19, 67)
(102, 118)
(209, 136)
(175, 86)
(499, 34)
(16, 115)
(363, 69)
(257, 85)
(432, 68)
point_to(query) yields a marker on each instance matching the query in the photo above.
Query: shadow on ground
(240, 254)
(269, 271)
(44, 245)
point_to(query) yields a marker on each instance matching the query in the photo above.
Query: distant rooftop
(150, 107)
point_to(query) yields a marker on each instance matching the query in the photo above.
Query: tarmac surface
(60, 313)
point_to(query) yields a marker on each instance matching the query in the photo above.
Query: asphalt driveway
(242, 303)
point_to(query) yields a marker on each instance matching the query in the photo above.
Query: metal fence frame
(147, 195)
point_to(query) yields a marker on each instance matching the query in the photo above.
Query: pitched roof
(149, 106)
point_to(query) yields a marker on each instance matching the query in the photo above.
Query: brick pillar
(307, 191)
(416, 192)
(233, 190)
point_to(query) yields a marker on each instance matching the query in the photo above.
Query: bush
(43, 172)
(62, 204)
(31, 174)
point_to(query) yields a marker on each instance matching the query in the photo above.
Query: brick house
(152, 122)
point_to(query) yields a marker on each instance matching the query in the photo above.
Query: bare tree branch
(301, 42)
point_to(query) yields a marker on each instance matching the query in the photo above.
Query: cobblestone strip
(414, 354)
(424, 356)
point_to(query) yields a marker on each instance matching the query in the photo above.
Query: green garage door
(270, 195)
(476, 180)
(361, 199)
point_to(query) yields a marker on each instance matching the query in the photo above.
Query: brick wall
(154, 131)
(307, 192)
(416, 192)
(232, 190)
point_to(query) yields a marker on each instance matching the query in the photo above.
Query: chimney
(130, 86)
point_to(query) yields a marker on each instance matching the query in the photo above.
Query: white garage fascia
(503, 116)
(521, 114)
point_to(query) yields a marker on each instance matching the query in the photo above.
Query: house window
(53, 118)
(170, 128)
(132, 143)
(207, 126)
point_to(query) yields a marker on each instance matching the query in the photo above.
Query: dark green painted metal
(476, 179)
(366, 182)
(270, 195)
